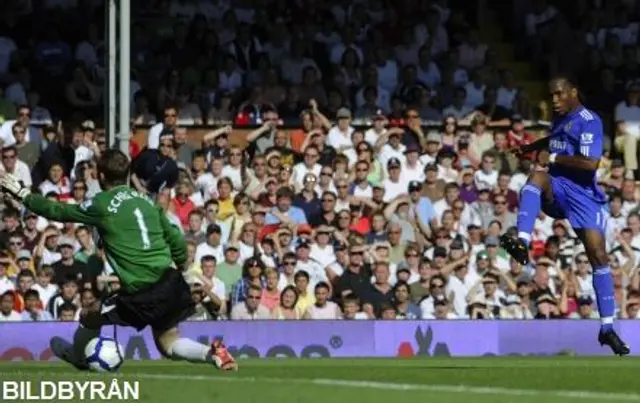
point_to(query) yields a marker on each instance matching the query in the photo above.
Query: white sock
(189, 350)
(81, 338)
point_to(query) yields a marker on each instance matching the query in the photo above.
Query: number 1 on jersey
(144, 232)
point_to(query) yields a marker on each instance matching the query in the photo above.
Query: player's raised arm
(176, 241)
(85, 213)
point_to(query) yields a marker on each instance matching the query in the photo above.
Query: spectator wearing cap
(395, 185)
(304, 262)
(413, 168)
(433, 145)
(547, 307)
(378, 129)
(339, 137)
(212, 246)
(390, 146)
(229, 270)
(513, 308)
(68, 266)
(284, 212)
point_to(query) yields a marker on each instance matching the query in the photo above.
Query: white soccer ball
(104, 354)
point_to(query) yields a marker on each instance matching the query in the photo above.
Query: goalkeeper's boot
(611, 339)
(516, 248)
(64, 350)
(221, 356)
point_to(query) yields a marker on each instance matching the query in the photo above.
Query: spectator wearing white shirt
(11, 164)
(212, 246)
(216, 291)
(394, 147)
(339, 137)
(487, 176)
(378, 130)
(5, 283)
(250, 308)
(396, 184)
(322, 309)
(169, 123)
(309, 165)
(413, 168)
(24, 119)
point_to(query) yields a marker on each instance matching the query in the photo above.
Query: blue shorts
(570, 202)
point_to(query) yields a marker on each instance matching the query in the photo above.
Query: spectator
(7, 314)
(250, 309)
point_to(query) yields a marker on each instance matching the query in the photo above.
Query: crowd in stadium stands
(327, 220)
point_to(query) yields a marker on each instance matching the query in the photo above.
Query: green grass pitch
(450, 380)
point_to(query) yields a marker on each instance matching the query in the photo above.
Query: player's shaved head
(113, 168)
(564, 93)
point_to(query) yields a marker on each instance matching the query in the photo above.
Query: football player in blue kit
(569, 190)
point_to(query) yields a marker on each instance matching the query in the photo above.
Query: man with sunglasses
(156, 169)
(167, 125)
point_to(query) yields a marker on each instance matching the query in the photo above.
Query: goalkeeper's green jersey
(139, 242)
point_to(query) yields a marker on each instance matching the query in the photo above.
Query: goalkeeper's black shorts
(162, 306)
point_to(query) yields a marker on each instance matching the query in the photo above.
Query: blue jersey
(579, 132)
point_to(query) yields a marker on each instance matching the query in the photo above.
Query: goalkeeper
(140, 245)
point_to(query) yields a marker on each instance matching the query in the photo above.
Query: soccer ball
(104, 354)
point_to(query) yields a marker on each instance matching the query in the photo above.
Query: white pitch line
(354, 384)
